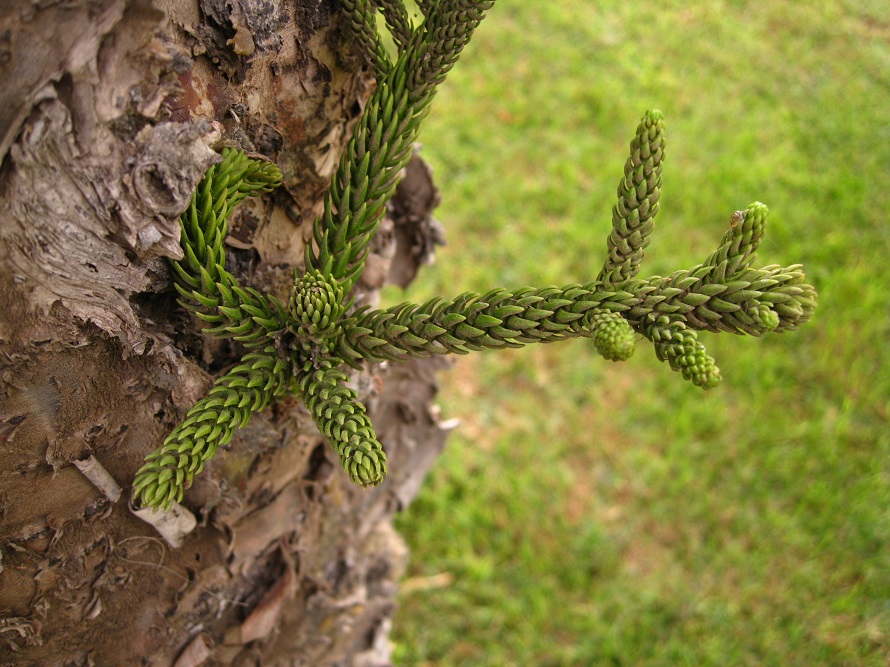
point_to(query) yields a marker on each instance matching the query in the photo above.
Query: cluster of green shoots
(304, 345)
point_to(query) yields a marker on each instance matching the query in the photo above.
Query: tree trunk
(109, 114)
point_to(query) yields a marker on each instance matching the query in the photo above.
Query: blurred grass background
(589, 513)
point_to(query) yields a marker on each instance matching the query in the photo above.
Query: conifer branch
(204, 285)
(510, 319)
(383, 141)
(210, 424)
(302, 345)
(343, 419)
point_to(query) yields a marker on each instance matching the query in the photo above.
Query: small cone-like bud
(317, 303)
(612, 335)
(680, 347)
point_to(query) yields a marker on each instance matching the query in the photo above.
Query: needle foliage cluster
(305, 344)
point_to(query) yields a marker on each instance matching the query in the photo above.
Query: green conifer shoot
(723, 294)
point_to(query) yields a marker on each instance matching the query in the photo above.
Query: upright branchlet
(633, 216)
(364, 28)
(397, 21)
(722, 294)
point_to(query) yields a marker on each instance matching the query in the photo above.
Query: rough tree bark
(109, 111)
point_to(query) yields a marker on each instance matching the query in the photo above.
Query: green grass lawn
(590, 513)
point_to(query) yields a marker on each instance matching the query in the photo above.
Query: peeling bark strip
(109, 114)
